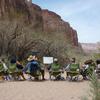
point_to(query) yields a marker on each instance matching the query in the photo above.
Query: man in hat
(55, 70)
(72, 69)
(72, 61)
(27, 67)
(32, 66)
(40, 67)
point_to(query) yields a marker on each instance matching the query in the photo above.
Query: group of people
(36, 70)
(15, 70)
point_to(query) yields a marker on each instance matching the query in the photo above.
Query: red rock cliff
(53, 23)
(25, 12)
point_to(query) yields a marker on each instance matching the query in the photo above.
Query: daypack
(74, 67)
(19, 66)
(1, 67)
(33, 67)
(55, 67)
(12, 68)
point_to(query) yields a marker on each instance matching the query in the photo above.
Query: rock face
(26, 13)
(23, 11)
(52, 23)
(91, 47)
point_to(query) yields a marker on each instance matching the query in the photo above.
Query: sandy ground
(46, 90)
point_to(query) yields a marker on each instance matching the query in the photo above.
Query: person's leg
(23, 76)
(5, 76)
(42, 73)
(1, 76)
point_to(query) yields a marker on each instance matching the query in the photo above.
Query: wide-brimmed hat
(90, 61)
(30, 58)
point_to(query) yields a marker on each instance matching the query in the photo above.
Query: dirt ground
(45, 90)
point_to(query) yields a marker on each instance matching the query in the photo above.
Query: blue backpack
(34, 66)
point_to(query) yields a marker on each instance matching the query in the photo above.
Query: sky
(83, 15)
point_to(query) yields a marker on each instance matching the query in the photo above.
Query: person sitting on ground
(55, 70)
(19, 67)
(98, 64)
(32, 66)
(98, 68)
(72, 63)
(87, 68)
(5, 69)
(55, 66)
(72, 67)
(1, 70)
(12, 69)
(42, 68)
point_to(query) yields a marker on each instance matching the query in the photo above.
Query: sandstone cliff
(21, 21)
(52, 23)
(41, 20)
(91, 47)
(23, 11)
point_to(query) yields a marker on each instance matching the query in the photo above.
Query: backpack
(19, 66)
(55, 67)
(33, 66)
(74, 67)
(12, 68)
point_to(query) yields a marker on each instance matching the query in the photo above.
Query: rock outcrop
(39, 20)
(22, 11)
(24, 24)
(52, 23)
(91, 47)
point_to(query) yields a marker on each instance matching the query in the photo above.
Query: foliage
(14, 39)
(95, 87)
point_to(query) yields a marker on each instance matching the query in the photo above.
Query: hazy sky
(83, 15)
